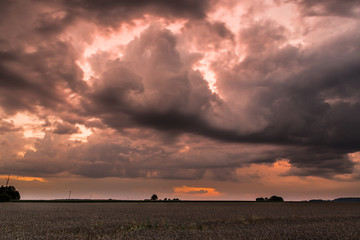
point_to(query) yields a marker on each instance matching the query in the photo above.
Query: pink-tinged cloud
(181, 90)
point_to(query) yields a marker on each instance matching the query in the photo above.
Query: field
(179, 220)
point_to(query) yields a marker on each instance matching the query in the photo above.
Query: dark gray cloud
(314, 106)
(6, 126)
(301, 97)
(45, 159)
(347, 8)
(178, 7)
(113, 12)
(307, 97)
(65, 128)
(151, 86)
(38, 78)
(207, 35)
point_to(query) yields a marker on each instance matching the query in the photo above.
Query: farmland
(179, 220)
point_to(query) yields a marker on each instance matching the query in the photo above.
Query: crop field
(179, 220)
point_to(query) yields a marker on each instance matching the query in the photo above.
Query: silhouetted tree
(275, 199)
(316, 200)
(8, 193)
(154, 197)
(271, 199)
(4, 197)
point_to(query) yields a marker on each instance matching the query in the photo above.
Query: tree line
(271, 199)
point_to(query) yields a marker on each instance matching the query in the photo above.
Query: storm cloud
(178, 89)
(348, 8)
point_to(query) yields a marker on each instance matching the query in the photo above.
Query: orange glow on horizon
(22, 178)
(197, 191)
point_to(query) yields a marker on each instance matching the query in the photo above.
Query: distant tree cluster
(8, 193)
(154, 197)
(318, 200)
(168, 199)
(271, 199)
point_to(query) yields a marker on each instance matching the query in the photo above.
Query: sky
(189, 99)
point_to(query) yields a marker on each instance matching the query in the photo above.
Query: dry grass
(180, 220)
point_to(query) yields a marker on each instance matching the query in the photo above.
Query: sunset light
(197, 191)
(196, 99)
(23, 178)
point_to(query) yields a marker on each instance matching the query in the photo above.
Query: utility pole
(69, 194)
(7, 181)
